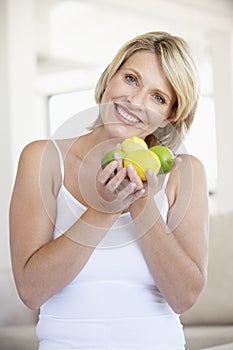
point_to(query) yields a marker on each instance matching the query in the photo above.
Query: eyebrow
(138, 74)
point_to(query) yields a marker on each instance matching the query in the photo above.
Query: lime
(165, 156)
(109, 157)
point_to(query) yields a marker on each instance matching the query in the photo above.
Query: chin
(122, 131)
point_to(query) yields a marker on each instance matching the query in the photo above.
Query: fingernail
(113, 164)
(132, 186)
(150, 172)
(130, 167)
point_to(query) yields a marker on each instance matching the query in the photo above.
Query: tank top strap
(165, 181)
(61, 161)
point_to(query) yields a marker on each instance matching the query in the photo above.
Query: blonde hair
(180, 70)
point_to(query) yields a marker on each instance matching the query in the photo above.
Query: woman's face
(138, 99)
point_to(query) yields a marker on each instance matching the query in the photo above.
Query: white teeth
(125, 115)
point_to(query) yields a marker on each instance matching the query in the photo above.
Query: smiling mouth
(126, 116)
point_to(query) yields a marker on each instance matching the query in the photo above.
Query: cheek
(114, 90)
(109, 92)
(106, 110)
(156, 119)
(105, 97)
(106, 104)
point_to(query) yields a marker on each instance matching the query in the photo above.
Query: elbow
(182, 304)
(28, 297)
(31, 304)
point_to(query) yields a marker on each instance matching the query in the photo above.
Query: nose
(137, 98)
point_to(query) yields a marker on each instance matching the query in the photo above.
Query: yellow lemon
(132, 144)
(143, 160)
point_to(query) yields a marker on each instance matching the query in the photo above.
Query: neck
(100, 138)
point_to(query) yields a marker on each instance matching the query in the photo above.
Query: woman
(112, 261)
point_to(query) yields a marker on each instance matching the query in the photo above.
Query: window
(201, 139)
(64, 109)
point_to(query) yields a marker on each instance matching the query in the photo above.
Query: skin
(43, 266)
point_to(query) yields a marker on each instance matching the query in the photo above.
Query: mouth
(125, 116)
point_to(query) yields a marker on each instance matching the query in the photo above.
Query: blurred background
(53, 51)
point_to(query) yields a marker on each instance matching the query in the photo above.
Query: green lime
(165, 156)
(109, 157)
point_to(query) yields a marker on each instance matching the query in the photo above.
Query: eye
(131, 79)
(159, 99)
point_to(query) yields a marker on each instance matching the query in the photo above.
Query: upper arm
(188, 217)
(33, 204)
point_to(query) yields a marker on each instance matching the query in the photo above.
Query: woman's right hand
(116, 190)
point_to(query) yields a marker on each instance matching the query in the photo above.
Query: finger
(115, 181)
(127, 191)
(104, 175)
(152, 179)
(178, 161)
(123, 184)
(138, 194)
(117, 157)
(134, 177)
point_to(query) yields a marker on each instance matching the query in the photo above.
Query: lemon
(143, 160)
(109, 157)
(132, 144)
(165, 156)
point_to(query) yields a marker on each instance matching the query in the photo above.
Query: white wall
(5, 139)
(222, 55)
(20, 122)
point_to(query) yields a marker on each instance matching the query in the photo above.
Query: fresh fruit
(134, 150)
(109, 157)
(132, 144)
(143, 160)
(165, 156)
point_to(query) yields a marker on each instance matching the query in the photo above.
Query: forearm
(177, 276)
(58, 262)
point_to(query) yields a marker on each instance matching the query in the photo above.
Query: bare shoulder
(190, 160)
(39, 160)
(189, 173)
(45, 147)
(31, 155)
(34, 150)
(188, 165)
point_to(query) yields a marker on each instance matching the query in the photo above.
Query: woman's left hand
(149, 187)
(116, 190)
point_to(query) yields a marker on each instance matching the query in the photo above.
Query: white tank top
(115, 284)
